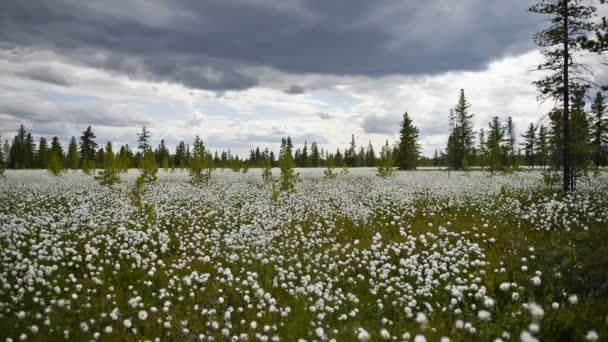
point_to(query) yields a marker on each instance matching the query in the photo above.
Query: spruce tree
(510, 143)
(42, 157)
(143, 139)
(370, 155)
(73, 157)
(55, 165)
(88, 148)
(286, 164)
(315, 158)
(530, 145)
(108, 175)
(543, 146)
(201, 163)
(386, 163)
(569, 21)
(409, 149)
(580, 149)
(493, 147)
(599, 130)
(460, 140)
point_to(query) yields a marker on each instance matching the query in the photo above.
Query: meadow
(420, 256)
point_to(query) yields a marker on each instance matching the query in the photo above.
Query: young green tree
(108, 175)
(55, 165)
(530, 145)
(599, 130)
(330, 165)
(569, 21)
(409, 148)
(201, 163)
(386, 163)
(287, 165)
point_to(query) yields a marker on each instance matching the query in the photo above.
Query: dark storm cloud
(210, 44)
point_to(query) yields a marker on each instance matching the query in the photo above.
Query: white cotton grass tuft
(484, 315)
(142, 315)
(592, 336)
(362, 335)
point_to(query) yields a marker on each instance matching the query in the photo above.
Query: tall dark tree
(73, 156)
(42, 155)
(510, 143)
(315, 158)
(580, 147)
(599, 130)
(370, 156)
(143, 139)
(543, 146)
(495, 137)
(460, 140)
(88, 147)
(409, 148)
(530, 145)
(569, 21)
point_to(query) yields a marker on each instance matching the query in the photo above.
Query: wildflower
(142, 315)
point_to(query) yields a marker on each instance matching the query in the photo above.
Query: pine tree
(55, 165)
(370, 155)
(315, 158)
(287, 165)
(42, 157)
(569, 22)
(495, 136)
(108, 175)
(73, 157)
(581, 149)
(201, 163)
(30, 151)
(409, 149)
(385, 164)
(460, 140)
(530, 145)
(142, 139)
(599, 130)
(17, 153)
(543, 146)
(510, 143)
(304, 160)
(57, 149)
(88, 147)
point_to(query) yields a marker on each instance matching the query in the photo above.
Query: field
(420, 256)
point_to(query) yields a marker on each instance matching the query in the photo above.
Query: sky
(244, 73)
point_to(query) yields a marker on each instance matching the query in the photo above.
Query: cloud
(295, 90)
(214, 44)
(375, 124)
(45, 74)
(324, 116)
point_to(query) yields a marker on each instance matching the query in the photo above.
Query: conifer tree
(55, 165)
(543, 146)
(482, 148)
(286, 164)
(409, 149)
(30, 151)
(569, 22)
(370, 155)
(530, 145)
(599, 130)
(108, 175)
(73, 156)
(495, 136)
(88, 147)
(386, 163)
(580, 149)
(510, 143)
(330, 165)
(17, 152)
(143, 139)
(315, 158)
(201, 163)
(42, 157)
(460, 140)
